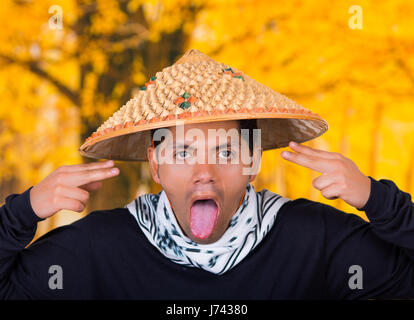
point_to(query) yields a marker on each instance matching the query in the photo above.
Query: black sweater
(308, 254)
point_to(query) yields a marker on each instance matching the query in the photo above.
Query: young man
(208, 234)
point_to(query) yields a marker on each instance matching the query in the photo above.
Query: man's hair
(249, 124)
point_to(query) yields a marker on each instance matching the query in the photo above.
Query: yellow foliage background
(58, 84)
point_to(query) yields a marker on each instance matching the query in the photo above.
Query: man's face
(200, 167)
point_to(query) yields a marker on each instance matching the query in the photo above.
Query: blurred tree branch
(34, 67)
(403, 65)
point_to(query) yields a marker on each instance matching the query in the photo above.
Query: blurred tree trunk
(155, 56)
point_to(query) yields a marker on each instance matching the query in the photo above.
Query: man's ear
(153, 164)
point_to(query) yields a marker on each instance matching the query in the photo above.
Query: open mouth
(203, 217)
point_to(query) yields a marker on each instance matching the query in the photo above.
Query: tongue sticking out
(203, 218)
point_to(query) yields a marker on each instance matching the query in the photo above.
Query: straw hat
(198, 89)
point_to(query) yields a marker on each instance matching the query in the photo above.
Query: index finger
(321, 165)
(311, 151)
(79, 178)
(87, 166)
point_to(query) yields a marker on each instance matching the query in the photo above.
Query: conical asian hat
(198, 89)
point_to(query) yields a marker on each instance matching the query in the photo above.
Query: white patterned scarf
(248, 226)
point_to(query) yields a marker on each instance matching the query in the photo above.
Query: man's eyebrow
(182, 145)
(188, 146)
(228, 145)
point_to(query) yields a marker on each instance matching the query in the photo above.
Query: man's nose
(204, 173)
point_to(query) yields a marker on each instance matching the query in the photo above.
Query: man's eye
(181, 154)
(227, 154)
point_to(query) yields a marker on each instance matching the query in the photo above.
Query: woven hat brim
(130, 143)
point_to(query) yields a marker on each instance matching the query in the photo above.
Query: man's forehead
(212, 136)
(211, 133)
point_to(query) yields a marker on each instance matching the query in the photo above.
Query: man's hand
(340, 177)
(67, 187)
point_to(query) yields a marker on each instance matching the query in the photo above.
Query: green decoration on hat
(185, 105)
